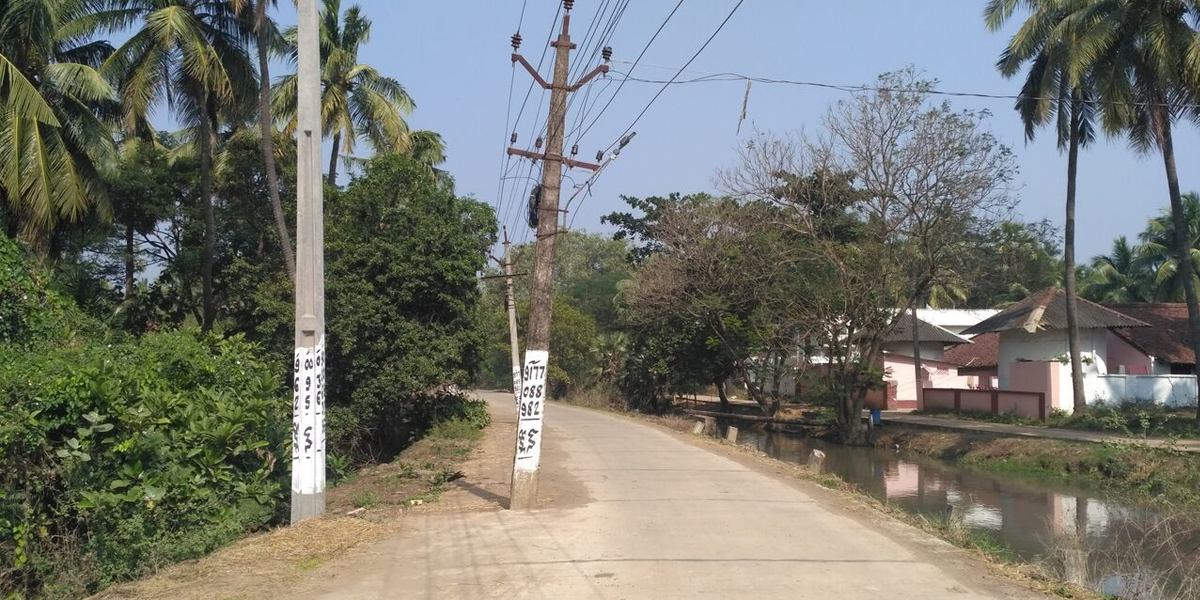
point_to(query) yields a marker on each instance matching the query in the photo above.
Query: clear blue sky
(453, 57)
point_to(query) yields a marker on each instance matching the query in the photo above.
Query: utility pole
(511, 303)
(308, 392)
(523, 492)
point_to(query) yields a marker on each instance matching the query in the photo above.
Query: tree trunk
(918, 368)
(130, 268)
(1183, 245)
(333, 156)
(268, 152)
(754, 391)
(1069, 257)
(130, 264)
(720, 385)
(206, 264)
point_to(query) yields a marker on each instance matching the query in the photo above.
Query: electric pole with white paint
(510, 302)
(308, 397)
(523, 494)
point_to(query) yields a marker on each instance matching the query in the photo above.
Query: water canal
(1117, 548)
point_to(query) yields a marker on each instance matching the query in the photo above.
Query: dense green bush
(31, 311)
(402, 254)
(119, 458)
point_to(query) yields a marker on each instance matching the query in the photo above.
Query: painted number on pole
(529, 417)
(308, 419)
(517, 384)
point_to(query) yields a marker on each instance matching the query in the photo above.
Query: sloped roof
(928, 332)
(982, 353)
(1047, 309)
(951, 318)
(1166, 339)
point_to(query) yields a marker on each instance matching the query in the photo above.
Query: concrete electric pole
(510, 302)
(308, 395)
(523, 494)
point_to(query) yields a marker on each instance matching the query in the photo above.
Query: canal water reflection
(1036, 520)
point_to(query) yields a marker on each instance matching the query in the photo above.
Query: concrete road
(634, 511)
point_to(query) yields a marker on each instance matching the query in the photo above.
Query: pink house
(898, 362)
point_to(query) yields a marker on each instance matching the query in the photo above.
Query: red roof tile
(982, 353)
(1166, 339)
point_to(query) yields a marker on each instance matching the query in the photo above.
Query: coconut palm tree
(1142, 55)
(1158, 254)
(191, 56)
(356, 100)
(429, 150)
(53, 140)
(264, 34)
(1119, 276)
(1050, 95)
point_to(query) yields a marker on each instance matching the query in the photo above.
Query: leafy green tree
(734, 272)
(1018, 258)
(53, 141)
(144, 189)
(402, 297)
(1119, 276)
(357, 101)
(1049, 94)
(1159, 255)
(589, 270)
(191, 55)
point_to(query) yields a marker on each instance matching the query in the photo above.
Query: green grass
(309, 564)
(365, 499)
(964, 537)
(1132, 419)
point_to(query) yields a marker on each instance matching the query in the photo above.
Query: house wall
(1122, 355)
(929, 350)
(1046, 377)
(1023, 404)
(899, 369)
(1167, 390)
(1048, 345)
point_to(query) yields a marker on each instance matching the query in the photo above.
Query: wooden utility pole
(523, 493)
(308, 397)
(511, 303)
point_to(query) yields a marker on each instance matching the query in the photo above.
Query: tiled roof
(1047, 309)
(928, 332)
(982, 353)
(1166, 339)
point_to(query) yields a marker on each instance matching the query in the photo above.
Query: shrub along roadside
(120, 458)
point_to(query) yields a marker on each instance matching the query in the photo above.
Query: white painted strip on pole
(308, 409)
(517, 384)
(532, 405)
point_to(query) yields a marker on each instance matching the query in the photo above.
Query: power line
(854, 89)
(635, 62)
(505, 162)
(677, 73)
(541, 60)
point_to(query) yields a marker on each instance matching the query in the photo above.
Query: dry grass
(254, 567)
(260, 566)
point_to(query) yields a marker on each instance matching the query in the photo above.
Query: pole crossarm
(590, 76)
(517, 58)
(570, 162)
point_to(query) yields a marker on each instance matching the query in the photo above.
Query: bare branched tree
(887, 198)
